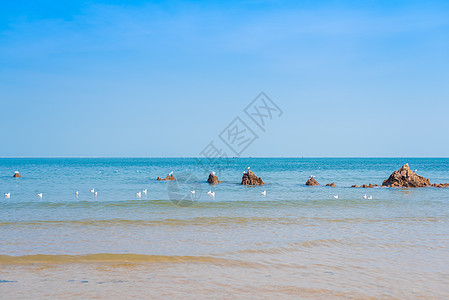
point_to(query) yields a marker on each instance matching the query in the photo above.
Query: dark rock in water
(312, 182)
(169, 177)
(17, 175)
(355, 186)
(440, 185)
(213, 179)
(405, 177)
(367, 186)
(331, 184)
(249, 178)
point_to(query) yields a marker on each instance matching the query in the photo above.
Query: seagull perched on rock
(39, 195)
(248, 168)
(336, 197)
(145, 191)
(7, 195)
(139, 194)
(92, 191)
(264, 193)
(312, 176)
(170, 174)
(213, 173)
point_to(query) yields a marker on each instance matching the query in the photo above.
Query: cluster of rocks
(169, 177)
(440, 185)
(404, 177)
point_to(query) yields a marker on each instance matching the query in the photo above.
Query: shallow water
(295, 241)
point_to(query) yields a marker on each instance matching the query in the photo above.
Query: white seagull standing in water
(370, 198)
(192, 192)
(92, 191)
(336, 197)
(264, 193)
(95, 194)
(145, 191)
(364, 196)
(7, 195)
(77, 193)
(139, 194)
(212, 194)
(39, 195)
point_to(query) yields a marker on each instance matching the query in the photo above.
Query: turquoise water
(396, 244)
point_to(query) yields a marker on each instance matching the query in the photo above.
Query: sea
(179, 241)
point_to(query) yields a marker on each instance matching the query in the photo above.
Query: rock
(355, 186)
(331, 184)
(312, 182)
(440, 185)
(249, 178)
(405, 177)
(169, 177)
(213, 179)
(17, 175)
(367, 186)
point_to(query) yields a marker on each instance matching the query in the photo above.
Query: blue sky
(354, 78)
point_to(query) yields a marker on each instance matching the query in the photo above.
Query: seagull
(264, 193)
(7, 195)
(95, 194)
(213, 173)
(416, 170)
(312, 176)
(248, 168)
(364, 196)
(39, 195)
(212, 194)
(145, 191)
(336, 197)
(192, 192)
(76, 193)
(92, 191)
(16, 172)
(370, 198)
(170, 174)
(139, 194)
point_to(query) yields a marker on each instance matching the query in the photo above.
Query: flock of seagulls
(192, 192)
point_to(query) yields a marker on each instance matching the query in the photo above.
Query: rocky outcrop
(404, 177)
(213, 179)
(17, 175)
(440, 185)
(249, 178)
(368, 186)
(331, 184)
(169, 177)
(355, 186)
(312, 182)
